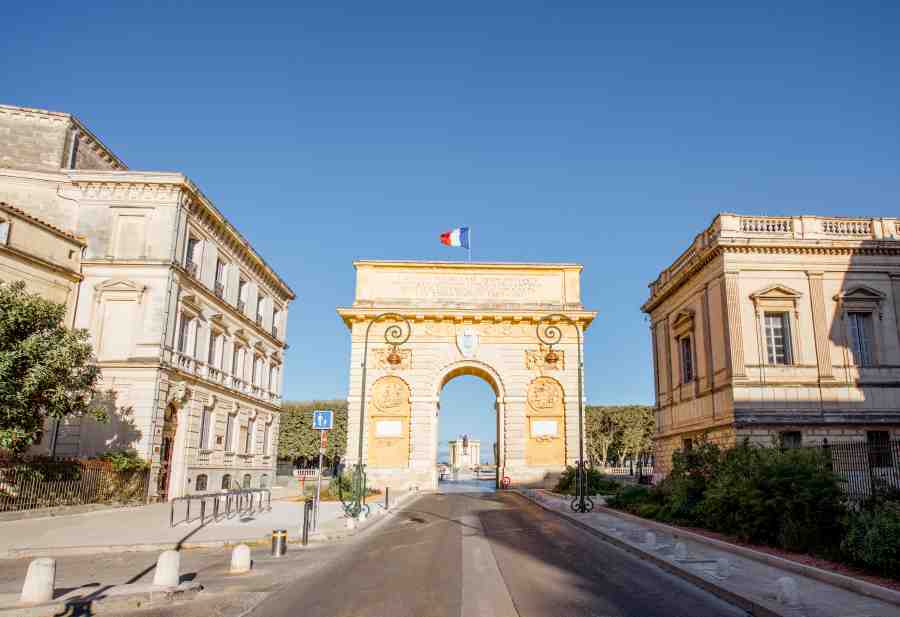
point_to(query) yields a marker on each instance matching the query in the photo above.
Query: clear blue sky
(595, 133)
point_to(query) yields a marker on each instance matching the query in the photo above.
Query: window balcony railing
(204, 457)
(274, 331)
(215, 374)
(193, 269)
(242, 306)
(228, 458)
(259, 320)
(220, 290)
(186, 363)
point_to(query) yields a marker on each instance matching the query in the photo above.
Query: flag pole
(469, 248)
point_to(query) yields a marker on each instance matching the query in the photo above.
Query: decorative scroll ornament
(179, 393)
(536, 360)
(383, 359)
(467, 341)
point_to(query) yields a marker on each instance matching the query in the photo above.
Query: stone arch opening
(465, 457)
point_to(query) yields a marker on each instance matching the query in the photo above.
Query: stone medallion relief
(389, 414)
(545, 413)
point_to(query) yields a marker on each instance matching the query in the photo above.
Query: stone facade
(48, 259)
(778, 329)
(187, 320)
(451, 319)
(464, 454)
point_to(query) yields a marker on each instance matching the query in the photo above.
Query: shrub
(597, 483)
(692, 472)
(784, 498)
(631, 498)
(873, 539)
(124, 460)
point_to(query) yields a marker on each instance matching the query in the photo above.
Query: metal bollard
(187, 517)
(307, 519)
(172, 513)
(387, 498)
(279, 542)
(202, 511)
(216, 509)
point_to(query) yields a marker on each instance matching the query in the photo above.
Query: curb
(754, 607)
(108, 604)
(318, 538)
(823, 576)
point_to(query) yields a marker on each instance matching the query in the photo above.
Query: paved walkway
(147, 528)
(743, 577)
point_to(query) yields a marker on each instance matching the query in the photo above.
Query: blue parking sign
(322, 419)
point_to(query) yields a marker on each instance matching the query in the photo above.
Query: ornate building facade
(780, 330)
(464, 453)
(188, 321)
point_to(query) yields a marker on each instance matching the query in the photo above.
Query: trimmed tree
(46, 369)
(298, 439)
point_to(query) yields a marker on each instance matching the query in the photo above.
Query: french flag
(456, 237)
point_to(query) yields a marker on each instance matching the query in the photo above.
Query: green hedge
(597, 483)
(786, 498)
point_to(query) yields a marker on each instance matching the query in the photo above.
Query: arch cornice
(468, 367)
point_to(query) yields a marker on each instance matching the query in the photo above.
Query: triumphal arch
(417, 325)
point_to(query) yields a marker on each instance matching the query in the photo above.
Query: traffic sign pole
(322, 447)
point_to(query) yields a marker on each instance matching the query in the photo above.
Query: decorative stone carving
(380, 359)
(467, 342)
(178, 393)
(545, 396)
(390, 396)
(536, 360)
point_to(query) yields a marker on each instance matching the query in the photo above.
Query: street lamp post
(550, 334)
(394, 335)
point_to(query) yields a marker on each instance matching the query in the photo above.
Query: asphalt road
(486, 555)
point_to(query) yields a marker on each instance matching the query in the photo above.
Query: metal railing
(865, 470)
(40, 483)
(222, 505)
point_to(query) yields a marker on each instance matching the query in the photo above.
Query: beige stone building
(465, 453)
(47, 258)
(779, 329)
(187, 319)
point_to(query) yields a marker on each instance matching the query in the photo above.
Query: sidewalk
(750, 583)
(146, 528)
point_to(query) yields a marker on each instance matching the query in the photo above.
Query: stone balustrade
(187, 364)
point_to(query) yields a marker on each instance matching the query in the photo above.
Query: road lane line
(484, 592)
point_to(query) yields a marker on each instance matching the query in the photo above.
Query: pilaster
(732, 308)
(817, 302)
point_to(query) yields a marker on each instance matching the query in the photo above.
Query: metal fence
(42, 483)
(865, 469)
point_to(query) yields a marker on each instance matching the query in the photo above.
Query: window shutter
(181, 226)
(252, 299)
(172, 317)
(210, 255)
(267, 315)
(852, 338)
(231, 291)
(203, 332)
(227, 354)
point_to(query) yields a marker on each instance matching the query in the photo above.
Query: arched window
(264, 481)
(202, 480)
(226, 482)
(4, 232)
(246, 480)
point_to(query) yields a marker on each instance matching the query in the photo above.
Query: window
(778, 338)
(264, 481)
(244, 438)
(257, 371)
(202, 481)
(266, 432)
(220, 278)
(859, 331)
(246, 480)
(214, 352)
(687, 360)
(242, 294)
(226, 482)
(192, 256)
(184, 332)
(790, 439)
(237, 363)
(276, 319)
(260, 305)
(687, 444)
(229, 433)
(249, 445)
(879, 443)
(4, 232)
(273, 379)
(205, 422)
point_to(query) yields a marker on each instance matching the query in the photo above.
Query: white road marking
(484, 593)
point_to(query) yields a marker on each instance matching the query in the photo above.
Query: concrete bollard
(723, 568)
(351, 523)
(786, 591)
(168, 567)
(650, 539)
(681, 552)
(39, 581)
(240, 559)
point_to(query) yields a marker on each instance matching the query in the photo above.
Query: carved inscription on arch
(389, 415)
